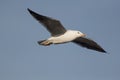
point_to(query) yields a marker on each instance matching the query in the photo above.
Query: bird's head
(80, 34)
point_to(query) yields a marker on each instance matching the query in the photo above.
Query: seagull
(60, 35)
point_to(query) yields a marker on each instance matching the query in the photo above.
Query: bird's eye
(78, 32)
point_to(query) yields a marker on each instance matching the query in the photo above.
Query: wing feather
(52, 25)
(88, 43)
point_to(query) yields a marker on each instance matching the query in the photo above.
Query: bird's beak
(83, 35)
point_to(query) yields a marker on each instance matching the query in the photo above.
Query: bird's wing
(52, 25)
(88, 43)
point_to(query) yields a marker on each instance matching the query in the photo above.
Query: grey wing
(52, 25)
(88, 43)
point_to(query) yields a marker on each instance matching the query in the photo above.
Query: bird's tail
(44, 42)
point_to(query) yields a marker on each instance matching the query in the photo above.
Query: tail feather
(44, 42)
(40, 42)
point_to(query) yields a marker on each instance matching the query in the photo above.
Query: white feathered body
(68, 36)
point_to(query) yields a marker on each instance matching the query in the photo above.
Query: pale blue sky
(21, 58)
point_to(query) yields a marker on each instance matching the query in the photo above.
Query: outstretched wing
(52, 25)
(88, 43)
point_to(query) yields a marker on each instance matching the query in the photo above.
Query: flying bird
(60, 35)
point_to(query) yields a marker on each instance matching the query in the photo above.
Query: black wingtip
(34, 14)
(106, 52)
(103, 51)
(29, 10)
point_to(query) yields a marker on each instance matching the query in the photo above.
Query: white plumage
(60, 35)
(68, 36)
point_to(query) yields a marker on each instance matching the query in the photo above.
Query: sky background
(21, 58)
